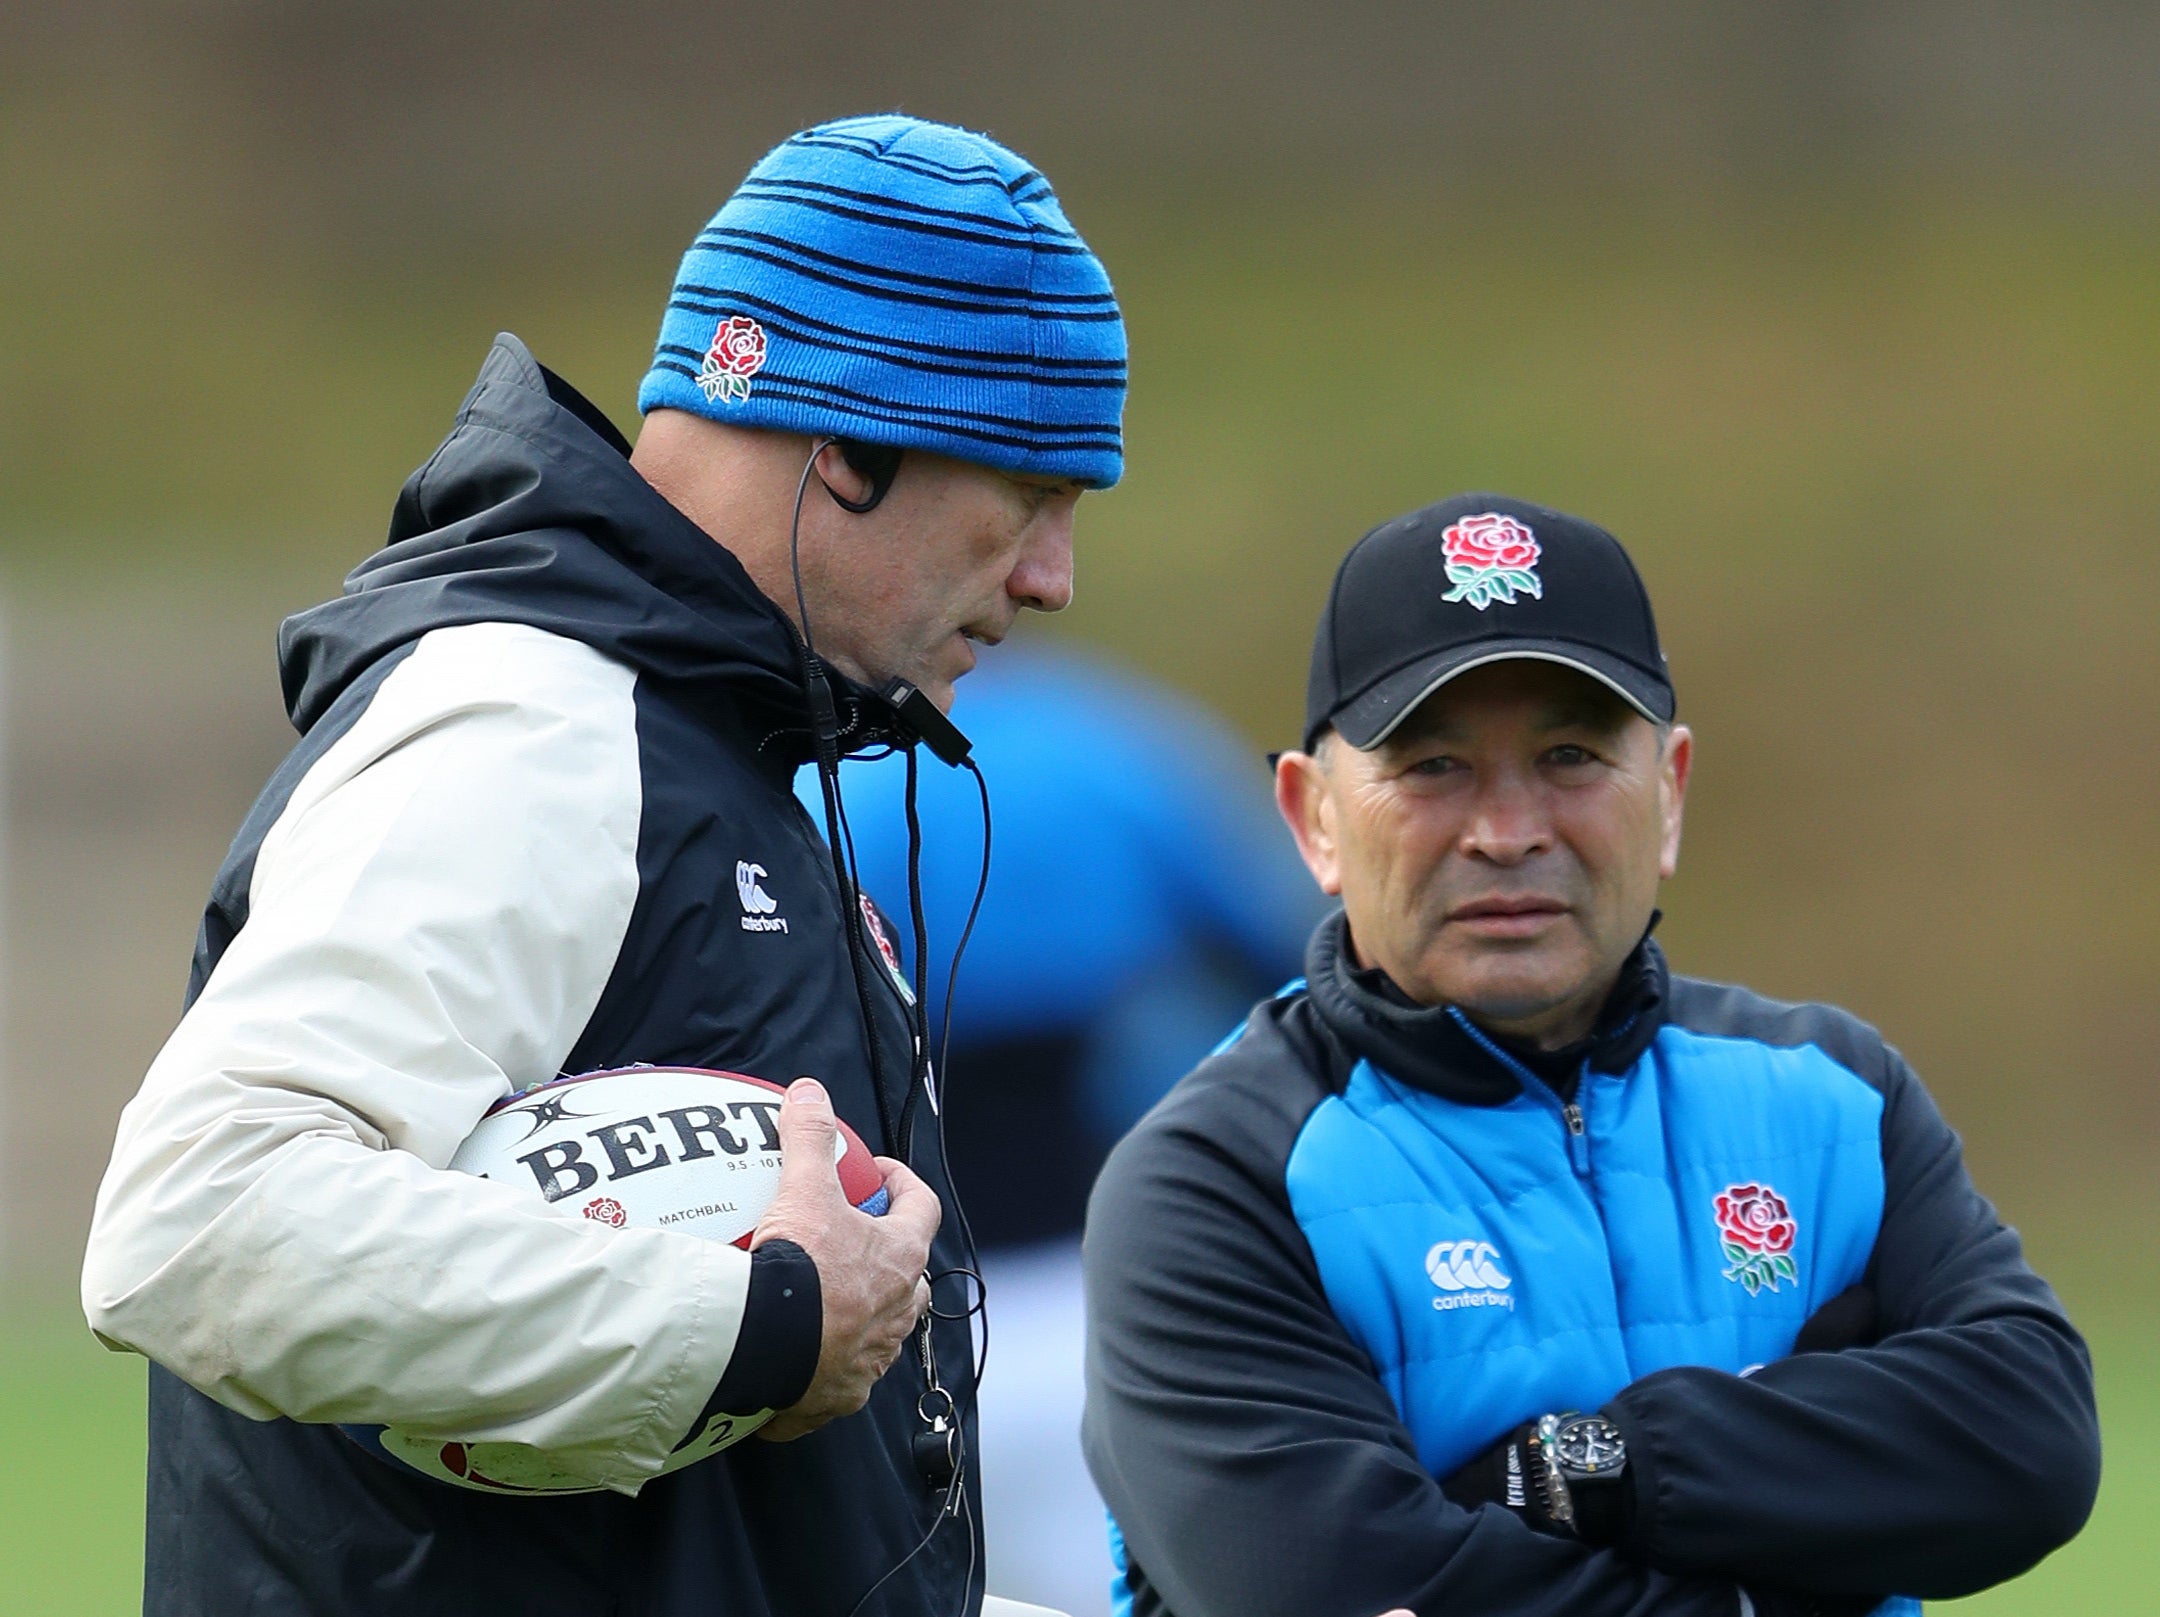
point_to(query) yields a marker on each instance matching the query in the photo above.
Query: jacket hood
(530, 512)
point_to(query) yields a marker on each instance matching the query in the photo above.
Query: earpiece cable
(923, 1074)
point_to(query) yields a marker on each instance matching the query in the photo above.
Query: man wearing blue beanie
(904, 284)
(539, 821)
(913, 292)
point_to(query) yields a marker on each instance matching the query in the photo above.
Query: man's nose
(1042, 577)
(1508, 823)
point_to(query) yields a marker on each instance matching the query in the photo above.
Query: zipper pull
(1578, 1145)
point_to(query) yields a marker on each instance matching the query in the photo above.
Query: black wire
(979, 1306)
(842, 836)
(802, 485)
(919, 1012)
(945, 1508)
(850, 895)
(826, 747)
(975, 1307)
(967, 1581)
(840, 840)
(982, 886)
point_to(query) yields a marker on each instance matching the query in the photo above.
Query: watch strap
(1596, 1509)
(1604, 1507)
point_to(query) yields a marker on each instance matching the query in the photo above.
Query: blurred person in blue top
(1142, 895)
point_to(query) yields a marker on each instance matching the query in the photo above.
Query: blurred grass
(1885, 458)
(71, 1427)
(1885, 454)
(71, 1492)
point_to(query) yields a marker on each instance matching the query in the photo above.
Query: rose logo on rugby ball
(1756, 1231)
(1490, 557)
(737, 354)
(607, 1210)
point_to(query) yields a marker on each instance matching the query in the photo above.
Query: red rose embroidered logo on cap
(1489, 557)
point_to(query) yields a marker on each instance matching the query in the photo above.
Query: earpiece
(880, 463)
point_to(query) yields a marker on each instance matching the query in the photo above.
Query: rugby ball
(680, 1148)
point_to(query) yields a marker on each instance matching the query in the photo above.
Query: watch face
(1589, 1445)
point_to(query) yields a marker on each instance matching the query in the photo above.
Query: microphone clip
(920, 717)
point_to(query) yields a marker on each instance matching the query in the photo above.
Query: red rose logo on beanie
(1756, 1231)
(1489, 558)
(737, 354)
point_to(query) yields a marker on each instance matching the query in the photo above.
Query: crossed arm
(1255, 1465)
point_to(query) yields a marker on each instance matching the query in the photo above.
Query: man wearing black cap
(1494, 1269)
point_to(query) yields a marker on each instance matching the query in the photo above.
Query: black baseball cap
(1477, 579)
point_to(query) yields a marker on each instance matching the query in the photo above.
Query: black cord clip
(824, 713)
(927, 725)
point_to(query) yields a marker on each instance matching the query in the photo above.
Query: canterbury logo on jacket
(539, 820)
(1362, 1242)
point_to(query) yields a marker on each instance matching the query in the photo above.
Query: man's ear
(843, 479)
(1673, 771)
(1307, 804)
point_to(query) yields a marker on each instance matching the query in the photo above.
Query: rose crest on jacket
(1756, 1231)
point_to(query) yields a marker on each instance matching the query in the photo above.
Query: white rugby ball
(681, 1148)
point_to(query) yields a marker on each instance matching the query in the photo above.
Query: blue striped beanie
(903, 283)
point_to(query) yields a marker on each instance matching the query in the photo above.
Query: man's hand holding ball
(870, 1269)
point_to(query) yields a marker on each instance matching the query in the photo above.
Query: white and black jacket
(548, 737)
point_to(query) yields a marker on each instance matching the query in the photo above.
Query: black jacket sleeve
(1952, 1454)
(781, 1335)
(1251, 1459)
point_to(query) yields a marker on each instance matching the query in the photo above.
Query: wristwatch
(1582, 1474)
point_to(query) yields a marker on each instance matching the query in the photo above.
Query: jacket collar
(530, 512)
(1434, 1048)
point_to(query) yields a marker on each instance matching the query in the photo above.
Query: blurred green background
(1847, 322)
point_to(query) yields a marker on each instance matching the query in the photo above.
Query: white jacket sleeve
(431, 921)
